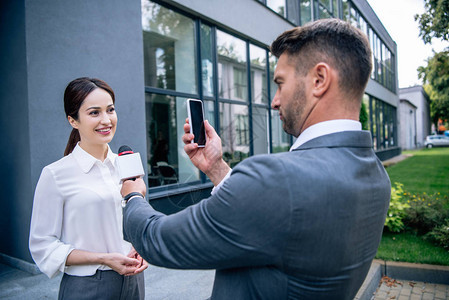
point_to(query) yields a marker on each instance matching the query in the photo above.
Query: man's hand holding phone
(209, 158)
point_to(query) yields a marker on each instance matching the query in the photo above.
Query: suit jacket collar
(354, 139)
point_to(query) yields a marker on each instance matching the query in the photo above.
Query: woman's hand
(143, 264)
(122, 264)
(130, 264)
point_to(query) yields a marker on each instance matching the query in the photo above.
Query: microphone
(129, 164)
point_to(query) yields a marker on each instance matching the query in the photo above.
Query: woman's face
(97, 120)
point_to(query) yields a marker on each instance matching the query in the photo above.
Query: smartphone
(196, 119)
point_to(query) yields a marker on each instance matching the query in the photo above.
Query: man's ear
(322, 78)
(72, 122)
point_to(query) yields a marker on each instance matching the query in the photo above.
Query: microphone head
(124, 150)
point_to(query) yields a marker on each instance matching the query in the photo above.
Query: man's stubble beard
(294, 113)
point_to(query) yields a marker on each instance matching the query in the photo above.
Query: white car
(438, 140)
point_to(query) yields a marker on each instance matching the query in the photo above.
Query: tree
(434, 23)
(436, 78)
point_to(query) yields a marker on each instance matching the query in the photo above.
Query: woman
(76, 225)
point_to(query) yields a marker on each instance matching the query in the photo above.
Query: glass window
(278, 6)
(306, 11)
(169, 49)
(167, 163)
(345, 7)
(375, 122)
(260, 130)
(272, 60)
(258, 59)
(207, 60)
(323, 12)
(234, 132)
(365, 113)
(326, 4)
(335, 8)
(353, 17)
(209, 112)
(232, 78)
(380, 124)
(293, 11)
(279, 139)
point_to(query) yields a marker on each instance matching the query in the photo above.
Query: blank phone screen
(197, 122)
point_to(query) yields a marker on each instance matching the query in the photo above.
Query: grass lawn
(427, 171)
(411, 248)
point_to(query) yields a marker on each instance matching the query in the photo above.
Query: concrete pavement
(160, 283)
(167, 284)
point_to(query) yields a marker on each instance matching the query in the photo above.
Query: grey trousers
(108, 285)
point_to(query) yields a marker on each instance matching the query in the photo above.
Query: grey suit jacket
(304, 224)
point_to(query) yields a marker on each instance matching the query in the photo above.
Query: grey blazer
(304, 224)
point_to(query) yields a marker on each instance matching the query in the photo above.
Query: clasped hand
(131, 264)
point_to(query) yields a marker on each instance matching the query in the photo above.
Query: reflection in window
(234, 132)
(258, 59)
(231, 58)
(209, 114)
(167, 164)
(278, 6)
(323, 12)
(306, 11)
(169, 49)
(365, 120)
(242, 130)
(260, 130)
(279, 139)
(345, 10)
(293, 11)
(206, 60)
(273, 87)
(240, 87)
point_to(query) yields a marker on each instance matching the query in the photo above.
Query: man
(304, 224)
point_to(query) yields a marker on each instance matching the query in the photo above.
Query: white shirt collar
(87, 161)
(326, 127)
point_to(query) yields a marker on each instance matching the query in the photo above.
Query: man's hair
(335, 42)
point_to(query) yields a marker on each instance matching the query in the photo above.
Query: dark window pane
(167, 163)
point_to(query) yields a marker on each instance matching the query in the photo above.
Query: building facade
(414, 117)
(155, 55)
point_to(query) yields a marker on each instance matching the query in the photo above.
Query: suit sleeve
(46, 248)
(244, 224)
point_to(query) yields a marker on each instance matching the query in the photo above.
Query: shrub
(396, 211)
(425, 212)
(440, 235)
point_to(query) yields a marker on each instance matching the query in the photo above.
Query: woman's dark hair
(75, 93)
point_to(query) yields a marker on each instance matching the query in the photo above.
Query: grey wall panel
(69, 39)
(15, 180)
(46, 44)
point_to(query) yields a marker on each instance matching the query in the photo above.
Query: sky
(398, 18)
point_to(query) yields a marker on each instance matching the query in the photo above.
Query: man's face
(290, 98)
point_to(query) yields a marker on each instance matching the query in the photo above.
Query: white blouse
(77, 205)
